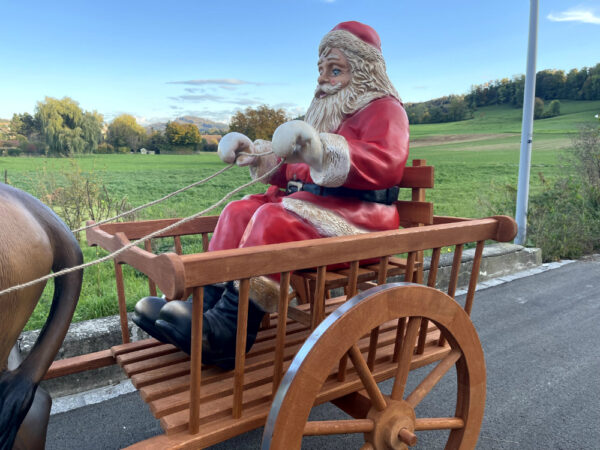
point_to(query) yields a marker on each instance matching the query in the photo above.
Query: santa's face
(334, 73)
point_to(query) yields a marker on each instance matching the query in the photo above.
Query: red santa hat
(356, 37)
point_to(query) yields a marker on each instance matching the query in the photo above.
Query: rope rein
(114, 254)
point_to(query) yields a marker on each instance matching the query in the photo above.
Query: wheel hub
(394, 426)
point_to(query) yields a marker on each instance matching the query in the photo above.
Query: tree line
(550, 84)
(60, 127)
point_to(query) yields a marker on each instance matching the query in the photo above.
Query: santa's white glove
(230, 147)
(297, 141)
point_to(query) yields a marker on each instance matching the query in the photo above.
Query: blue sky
(160, 60)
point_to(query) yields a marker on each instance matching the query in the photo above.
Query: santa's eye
(336, 72)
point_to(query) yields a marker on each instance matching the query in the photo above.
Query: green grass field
(472, 159)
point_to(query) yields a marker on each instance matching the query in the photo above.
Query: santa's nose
(322, 79)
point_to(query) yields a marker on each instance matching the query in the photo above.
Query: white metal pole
(527, 128)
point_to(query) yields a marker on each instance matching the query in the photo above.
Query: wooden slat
(157, 376)
(417, 177)
(474, 277)
(122, 303)
(139, 229)
(154, 363)
(134, 346)
(411, 212)
(284, 286)
(177, 243)
(196, 362)
(151, 284)
(318, 306)
(142, 354)
(240, 347)
(80, 363)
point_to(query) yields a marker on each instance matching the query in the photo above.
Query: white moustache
(323, 90)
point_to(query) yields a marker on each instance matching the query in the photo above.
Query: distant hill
(204, 125)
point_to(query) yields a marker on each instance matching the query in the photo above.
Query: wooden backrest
(418, 178)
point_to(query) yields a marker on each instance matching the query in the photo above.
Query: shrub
(13, 151)
(78, 196)
(554, 108)
(105, 148)
(32, 148)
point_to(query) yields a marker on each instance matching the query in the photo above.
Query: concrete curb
(499, 260)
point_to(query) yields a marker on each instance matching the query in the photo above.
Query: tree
(574, 83)
(124, 131)
(259, 123)
(591, 88)
(66, 128)
(157, 142)
(186, 134)
(24, 124)
(550, 84)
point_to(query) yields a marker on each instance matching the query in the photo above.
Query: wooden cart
(319, 347)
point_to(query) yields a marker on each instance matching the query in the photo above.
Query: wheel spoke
(433, 378)
(406, 352)
(367, 378)
(324, 427)
(439, 423)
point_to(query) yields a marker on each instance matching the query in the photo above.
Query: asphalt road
(540, 336)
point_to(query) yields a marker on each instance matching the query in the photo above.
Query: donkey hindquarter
(33, 241)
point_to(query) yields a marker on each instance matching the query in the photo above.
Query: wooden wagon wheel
(387, 421)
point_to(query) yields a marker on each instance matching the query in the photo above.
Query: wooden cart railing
(202, 406)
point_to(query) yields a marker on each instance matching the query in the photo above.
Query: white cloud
(575, 15)
(218, 81)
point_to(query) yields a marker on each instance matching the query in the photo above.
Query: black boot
(147, 310)
(219, 327)
(145, 314)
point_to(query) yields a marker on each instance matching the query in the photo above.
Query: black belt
(385, 196)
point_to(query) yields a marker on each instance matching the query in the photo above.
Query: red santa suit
(367, 152)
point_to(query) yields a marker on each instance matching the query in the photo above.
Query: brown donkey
(33, 241)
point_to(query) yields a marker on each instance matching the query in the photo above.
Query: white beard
(327, 113)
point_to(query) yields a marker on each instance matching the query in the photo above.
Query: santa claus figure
(341, 166)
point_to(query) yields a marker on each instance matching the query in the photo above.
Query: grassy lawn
(473, 159)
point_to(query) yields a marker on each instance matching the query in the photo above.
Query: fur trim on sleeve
(336, 161)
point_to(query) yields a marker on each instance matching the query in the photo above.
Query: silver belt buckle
(294, 186)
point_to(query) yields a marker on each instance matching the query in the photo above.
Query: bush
(13, 151)
(32, 148)
(78, 196)
(554, 108)
(105, 148)
(560, 221)
(538, 108)
(564, 219)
